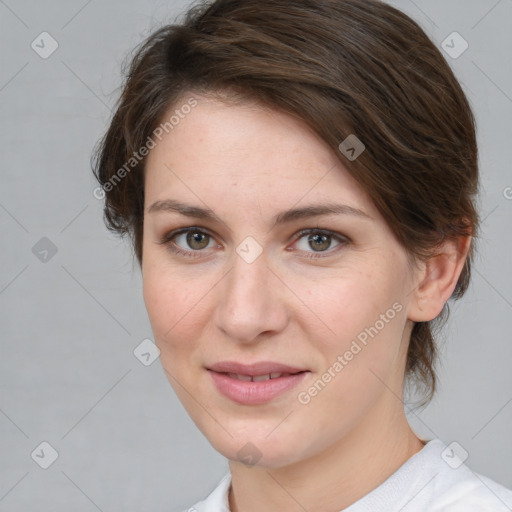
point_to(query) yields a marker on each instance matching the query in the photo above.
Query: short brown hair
(345, 67)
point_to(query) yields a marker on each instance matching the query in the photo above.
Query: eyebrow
(314, 210)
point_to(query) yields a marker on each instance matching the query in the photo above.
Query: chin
(256, 450)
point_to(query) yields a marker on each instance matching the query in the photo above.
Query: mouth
(259, 378)
(255, 384)
(258, 369)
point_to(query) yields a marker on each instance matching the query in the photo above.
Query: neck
(336, 478)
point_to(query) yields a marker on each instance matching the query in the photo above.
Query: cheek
(363, 319)
(350, 302)
(173, 303)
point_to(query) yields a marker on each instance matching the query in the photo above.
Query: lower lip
(253, 393)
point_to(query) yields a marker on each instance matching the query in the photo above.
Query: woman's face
(273, 254)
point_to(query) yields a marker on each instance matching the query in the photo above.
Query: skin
(248, 163)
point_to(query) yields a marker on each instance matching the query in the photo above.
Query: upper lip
(259, 368)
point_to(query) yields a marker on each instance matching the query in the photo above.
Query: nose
(251, 302)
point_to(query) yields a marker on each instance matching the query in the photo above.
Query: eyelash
(168, 241)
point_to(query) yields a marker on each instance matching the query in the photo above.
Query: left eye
(318, 241)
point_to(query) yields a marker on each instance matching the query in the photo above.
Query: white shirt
(432, 480)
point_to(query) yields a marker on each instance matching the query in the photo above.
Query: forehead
(249, 153)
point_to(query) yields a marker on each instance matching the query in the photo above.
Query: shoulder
(467, 491)
(460, 489)
(436, 480)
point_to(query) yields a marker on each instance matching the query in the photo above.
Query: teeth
(240, 377)
(258, 378)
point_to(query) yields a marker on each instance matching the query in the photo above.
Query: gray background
(68, 375)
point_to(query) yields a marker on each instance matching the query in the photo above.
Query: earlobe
(437, 279)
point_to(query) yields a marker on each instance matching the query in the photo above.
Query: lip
(254, 393)
(259, 368)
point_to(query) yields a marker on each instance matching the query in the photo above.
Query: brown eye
(316, 243)
(197, 240)
(189, 241)
(319, 241)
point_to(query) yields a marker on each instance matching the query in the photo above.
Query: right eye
(189, 242)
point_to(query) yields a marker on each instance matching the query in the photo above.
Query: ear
(437, 279)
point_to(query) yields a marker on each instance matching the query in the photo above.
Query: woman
(299, 180)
